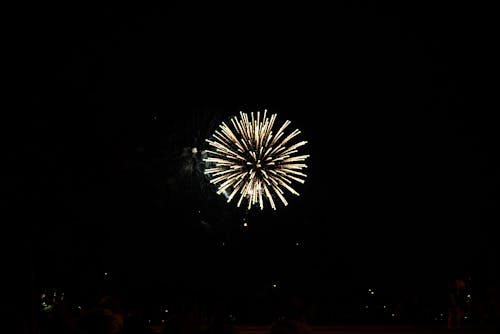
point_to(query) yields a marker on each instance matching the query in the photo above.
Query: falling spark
(249, 161)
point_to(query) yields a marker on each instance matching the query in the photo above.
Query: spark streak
(252, 163)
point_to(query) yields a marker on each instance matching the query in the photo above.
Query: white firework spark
(250, 161)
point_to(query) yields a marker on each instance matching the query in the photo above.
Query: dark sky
(392, 99)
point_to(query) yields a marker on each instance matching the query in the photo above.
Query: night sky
(403, 174)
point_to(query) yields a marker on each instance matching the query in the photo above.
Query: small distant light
(393, 315)
(385, 306)
(466, 317)
(223, 243)
(149, 321)
(162, 320)
(194, 150)
(166, 311)
(44, 304)
(79, 307)
(245, 224)
(154, 118)
(296, 244)
(366, 306)
(372, 292)
(274, 285)
(468, 296)
(105, 274)
(436, 319)
(441, 314)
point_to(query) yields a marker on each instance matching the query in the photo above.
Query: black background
(393, 98)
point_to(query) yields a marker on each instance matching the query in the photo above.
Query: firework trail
(249, 161)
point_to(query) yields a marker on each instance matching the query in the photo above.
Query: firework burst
(248, 160)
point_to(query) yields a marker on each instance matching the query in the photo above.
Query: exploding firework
(250, 161)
